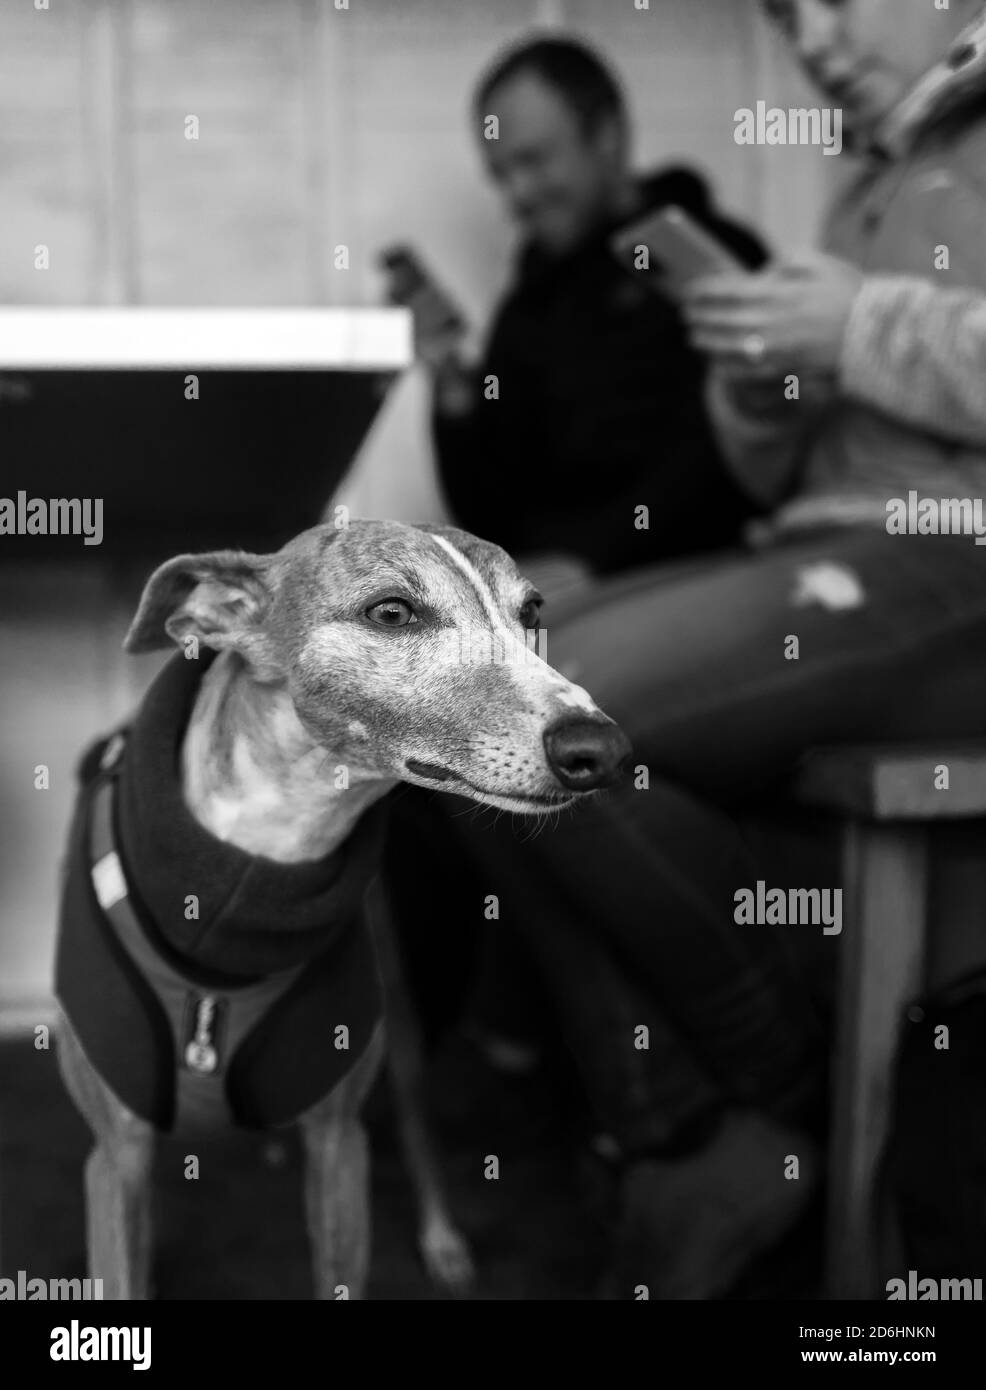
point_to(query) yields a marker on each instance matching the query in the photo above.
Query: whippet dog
(382, 651)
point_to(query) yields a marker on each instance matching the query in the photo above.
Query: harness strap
(207, 1025)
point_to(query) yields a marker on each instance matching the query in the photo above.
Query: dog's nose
(585, 753)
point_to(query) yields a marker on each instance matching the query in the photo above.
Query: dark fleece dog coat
(206, 984)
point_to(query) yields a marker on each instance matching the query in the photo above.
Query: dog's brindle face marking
(456, 698)
(416, 702)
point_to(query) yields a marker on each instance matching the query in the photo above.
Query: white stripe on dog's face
(482, 590)
(458, 690)
(568, 694)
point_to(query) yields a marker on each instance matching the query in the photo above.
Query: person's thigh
(721, 676)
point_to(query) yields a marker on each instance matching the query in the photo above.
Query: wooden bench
(889, 801)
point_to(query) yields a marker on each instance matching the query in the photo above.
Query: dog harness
(207, 986)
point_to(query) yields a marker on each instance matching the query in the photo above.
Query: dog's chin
(522, 802)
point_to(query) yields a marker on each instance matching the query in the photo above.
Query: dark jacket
(132, 985)
(600, 410)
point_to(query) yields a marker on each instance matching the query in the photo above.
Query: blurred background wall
(318, 126)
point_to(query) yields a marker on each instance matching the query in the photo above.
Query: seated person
(599, 405)
(628, 905)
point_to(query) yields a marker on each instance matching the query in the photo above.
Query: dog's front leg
(118, 1213)
(118, 1176)
(337, 1203)
(337, 1180)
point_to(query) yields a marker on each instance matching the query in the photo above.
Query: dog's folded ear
(218, 598)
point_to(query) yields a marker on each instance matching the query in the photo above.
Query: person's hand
(438, 330)
(790, 318)
(438, 334)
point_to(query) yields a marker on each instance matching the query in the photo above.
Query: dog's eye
(391, 612)
(530, 613)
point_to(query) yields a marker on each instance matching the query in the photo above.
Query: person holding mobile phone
(596, 392)
(843, 383)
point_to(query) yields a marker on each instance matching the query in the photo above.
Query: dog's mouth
(455, 782)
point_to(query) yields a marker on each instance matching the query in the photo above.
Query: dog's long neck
(255, 778)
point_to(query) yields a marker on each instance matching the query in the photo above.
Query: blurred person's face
(867, 54)
(558, 179)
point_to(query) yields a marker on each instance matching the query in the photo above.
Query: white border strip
(197, 339)
(23, 1015)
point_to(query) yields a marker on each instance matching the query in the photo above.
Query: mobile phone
(678, 251)
(407, 276)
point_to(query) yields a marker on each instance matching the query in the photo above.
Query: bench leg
(885, 870)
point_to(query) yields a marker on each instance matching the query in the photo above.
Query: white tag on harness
(108, 880)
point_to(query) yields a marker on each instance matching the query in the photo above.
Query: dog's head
(408, 651)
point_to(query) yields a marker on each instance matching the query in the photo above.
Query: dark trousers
(627, 902)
